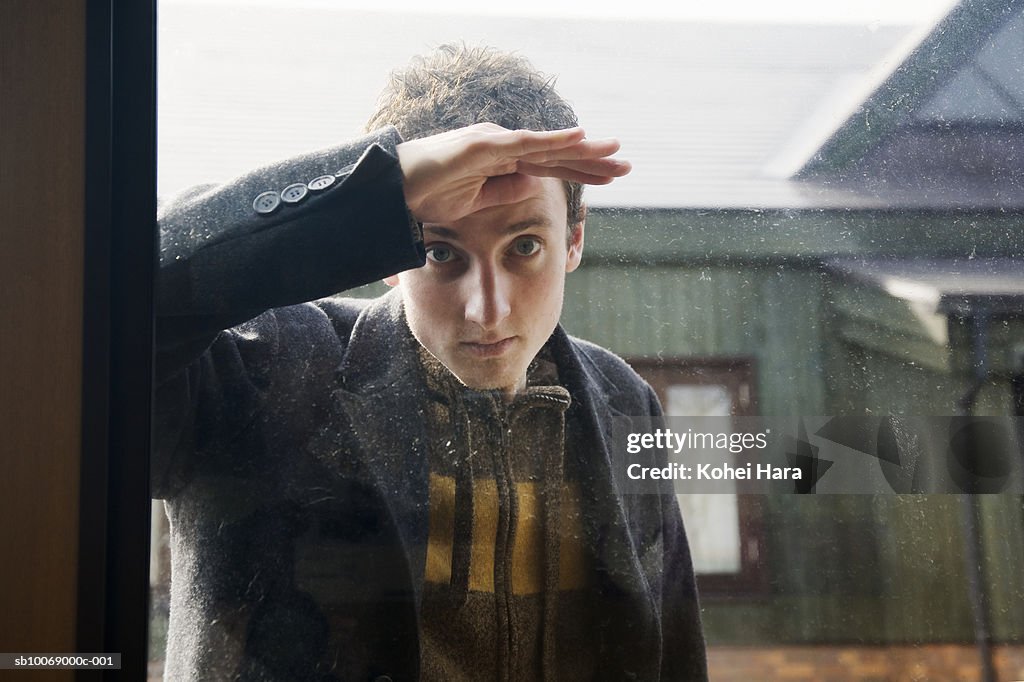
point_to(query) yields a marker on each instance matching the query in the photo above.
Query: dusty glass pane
(825, 207)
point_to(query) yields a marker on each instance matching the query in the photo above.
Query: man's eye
(527, 246)
(440, 254)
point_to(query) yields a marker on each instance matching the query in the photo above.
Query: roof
(949, 286)
(946, 128)
(704, 111)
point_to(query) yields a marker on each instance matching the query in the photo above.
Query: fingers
(545, 148)
(522, 143)
(604, 166)
(568, 174)
(590, 172)
(568, 156)
(584, 149)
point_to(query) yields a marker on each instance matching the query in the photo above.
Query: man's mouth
(489, 350)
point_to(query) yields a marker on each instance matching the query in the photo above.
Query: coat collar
(381, 394)
(381, 352)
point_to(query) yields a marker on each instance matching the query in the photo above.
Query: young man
(419, 486)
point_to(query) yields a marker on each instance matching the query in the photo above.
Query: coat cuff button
(293, 194)
(321, 183)
(266, 203)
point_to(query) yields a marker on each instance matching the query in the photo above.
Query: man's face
(491, 292)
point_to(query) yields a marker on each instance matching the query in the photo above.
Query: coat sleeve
(684, 658)
(223, 263)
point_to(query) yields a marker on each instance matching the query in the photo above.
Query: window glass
(824, 219)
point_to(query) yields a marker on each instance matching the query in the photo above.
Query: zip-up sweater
(506, 582)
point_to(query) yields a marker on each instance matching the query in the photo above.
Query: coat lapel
(382, 394)
(614, 531)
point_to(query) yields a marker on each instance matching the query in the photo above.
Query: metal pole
(974, 551)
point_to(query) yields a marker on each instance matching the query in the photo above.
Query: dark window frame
(117, 307)
(739, 375)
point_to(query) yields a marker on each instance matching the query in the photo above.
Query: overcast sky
(912, 12)
(223, 69)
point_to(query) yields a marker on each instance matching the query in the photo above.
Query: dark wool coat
(291, 448)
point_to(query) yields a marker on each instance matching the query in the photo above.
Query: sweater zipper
(507, 528)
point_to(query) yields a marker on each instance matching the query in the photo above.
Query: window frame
(739, 375)
(117, 308)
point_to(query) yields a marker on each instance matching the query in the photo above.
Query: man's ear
(576, 242)
(391, 280)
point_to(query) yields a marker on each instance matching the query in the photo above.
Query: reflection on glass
(817, 207)
(713, 520)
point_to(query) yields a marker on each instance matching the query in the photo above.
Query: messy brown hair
(456, 86)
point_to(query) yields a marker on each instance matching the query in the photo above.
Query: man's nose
(487, 298)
